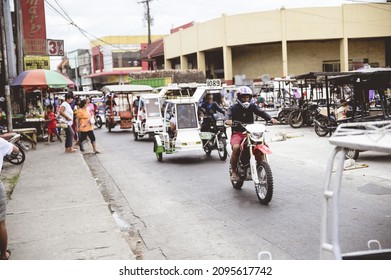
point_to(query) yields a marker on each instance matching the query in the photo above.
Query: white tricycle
(181, 129)
(149, 120)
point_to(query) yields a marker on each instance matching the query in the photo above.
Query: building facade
(284, 42)
(114, 57)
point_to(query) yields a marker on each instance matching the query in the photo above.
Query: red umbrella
(43, 79)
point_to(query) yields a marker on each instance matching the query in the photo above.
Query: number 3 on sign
(55, 47)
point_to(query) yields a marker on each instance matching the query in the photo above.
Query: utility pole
(5, 36)
(148, 18)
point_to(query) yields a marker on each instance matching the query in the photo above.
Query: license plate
(205, 135)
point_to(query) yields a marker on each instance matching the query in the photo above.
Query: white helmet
(243, 91)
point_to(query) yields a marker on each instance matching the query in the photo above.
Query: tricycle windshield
(187, 116)
(152, 107)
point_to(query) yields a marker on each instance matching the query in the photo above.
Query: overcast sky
(125, 17)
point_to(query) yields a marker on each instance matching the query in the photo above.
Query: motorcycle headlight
(256, 136)
(219, 123)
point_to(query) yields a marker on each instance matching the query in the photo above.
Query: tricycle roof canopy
(126, 88)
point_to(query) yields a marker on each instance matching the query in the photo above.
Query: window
(126, 59)
(331, 66)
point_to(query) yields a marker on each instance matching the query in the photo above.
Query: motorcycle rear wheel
(237, 185)
(321, 132)
(264, 189)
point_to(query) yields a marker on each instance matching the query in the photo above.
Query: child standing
(52, 124)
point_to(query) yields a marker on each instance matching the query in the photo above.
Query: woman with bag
(85, 125)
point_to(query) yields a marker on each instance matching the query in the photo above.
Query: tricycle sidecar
(181, 130)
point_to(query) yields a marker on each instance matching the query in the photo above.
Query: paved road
(186, 208)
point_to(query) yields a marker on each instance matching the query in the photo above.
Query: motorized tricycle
(149, 120)
(213, 134)
(181, 130)
(253, 162)
(119, 104)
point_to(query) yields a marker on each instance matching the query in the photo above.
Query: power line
(81, 30)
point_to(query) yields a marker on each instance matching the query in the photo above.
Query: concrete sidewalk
(57, 212)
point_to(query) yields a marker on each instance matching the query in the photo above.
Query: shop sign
(34, 27)
(36, 62)
(55, 47)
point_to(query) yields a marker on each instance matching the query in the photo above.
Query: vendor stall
(38, 85)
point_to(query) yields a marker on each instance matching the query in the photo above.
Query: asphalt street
(188, 199)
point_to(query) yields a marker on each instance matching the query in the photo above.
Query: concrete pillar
(227, 59)
(284, 47)
(184, 62)
(167, 64)
(344, 54)
(201, 62)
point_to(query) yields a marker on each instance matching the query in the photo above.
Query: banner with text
(34, 27)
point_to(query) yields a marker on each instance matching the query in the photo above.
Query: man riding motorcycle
(242, 111)
(209, 108)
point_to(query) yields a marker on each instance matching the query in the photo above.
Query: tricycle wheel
(159, 156)
(135, 134)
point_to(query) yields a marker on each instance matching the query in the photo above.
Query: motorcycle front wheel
(295, 119)
(222, 151)
(98, 122)
(19, 158)
(264, 188)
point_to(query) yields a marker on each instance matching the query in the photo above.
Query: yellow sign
(36, 62)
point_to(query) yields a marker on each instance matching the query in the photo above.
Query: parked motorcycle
(15, 138)
(213, 135)
(253, 162)
(303, 115)
(324, 125)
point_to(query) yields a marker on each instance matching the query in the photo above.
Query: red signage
(34, 27)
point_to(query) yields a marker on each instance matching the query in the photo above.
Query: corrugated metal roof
(155, 49)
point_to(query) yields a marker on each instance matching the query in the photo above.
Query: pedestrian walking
(85, 125)
(6, 148)
(67, 112)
